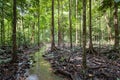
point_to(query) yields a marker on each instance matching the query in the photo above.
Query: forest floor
(65, 61)
(68, 62)
(18, 69)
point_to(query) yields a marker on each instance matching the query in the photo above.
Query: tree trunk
(70, 24)
(116, 42)
(84, 35)
(81, 28)
(14, 55)
(62, 28)
(76, 23)
(52, 29)
(2, 26)
(91, 49)
(59, 27)
(38, 22)
(90, 25)
(33, 33)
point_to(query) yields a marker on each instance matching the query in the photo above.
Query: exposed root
(91, 50)
(54, 49)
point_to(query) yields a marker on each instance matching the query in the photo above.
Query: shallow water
(42, 69)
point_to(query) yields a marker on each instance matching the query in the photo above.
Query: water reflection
(42, 69)
(33, 77)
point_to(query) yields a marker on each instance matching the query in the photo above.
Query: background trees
(32, 25)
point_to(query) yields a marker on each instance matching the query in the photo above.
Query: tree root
(54, 49)
(91, 50)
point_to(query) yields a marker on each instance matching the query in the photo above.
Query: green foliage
(28, 9)
(62, 59)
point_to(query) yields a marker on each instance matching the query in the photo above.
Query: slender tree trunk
(84, 35)
(116, 42)
(1, 33)
(2, 26)
(52, 29)
(59, 27)
(38, 23)
(14, 55)
(81, 27)
(91, 49)
(90, 25)
(70, 24)
(33, 33)
(76, 23)
(62, 28)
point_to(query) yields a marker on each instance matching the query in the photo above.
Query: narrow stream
(42, 69)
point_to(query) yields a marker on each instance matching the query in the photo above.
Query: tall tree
(70, 24)
(38, 14)
(91, 49)
(33, 32)
(76, 23)
(59, 27)
(14, 55)
(84, 35)
(116, 43)
(52, 29)
(113, 3)
(2, 25)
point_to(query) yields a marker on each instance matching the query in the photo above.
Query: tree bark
(62, 28)
(70, 24)
(14, 55)
(116, 42)
(76, 23)
(2, 25)
(59, 27)
(91, 49)
(52, 29)
(38, 22)
(90, 25)
(33, 33)
(81, 28)
(84, 35)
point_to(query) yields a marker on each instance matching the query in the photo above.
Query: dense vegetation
(70, 24)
